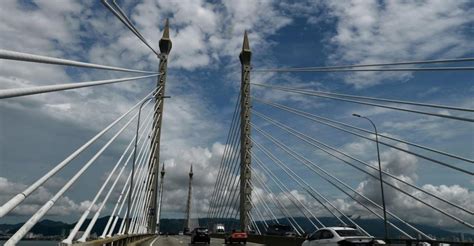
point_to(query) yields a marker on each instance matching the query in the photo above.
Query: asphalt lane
(186, 241)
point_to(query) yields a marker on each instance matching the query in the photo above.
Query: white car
(337, 236)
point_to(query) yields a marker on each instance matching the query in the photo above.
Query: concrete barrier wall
(276, 240)
(117, 240)
(270, 240)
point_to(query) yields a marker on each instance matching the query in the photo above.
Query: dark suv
(280, 230)
(200, 235)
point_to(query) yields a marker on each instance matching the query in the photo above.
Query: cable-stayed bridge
(260, 160)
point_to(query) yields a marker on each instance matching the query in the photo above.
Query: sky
(39, 131)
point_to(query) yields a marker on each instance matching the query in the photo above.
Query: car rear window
(202, 230)
(349, 233)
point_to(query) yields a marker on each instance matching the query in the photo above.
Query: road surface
(186, 241)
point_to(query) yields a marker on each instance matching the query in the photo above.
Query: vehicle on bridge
(336, 236)
(280, 230)
(219, 228)
(200, 234)
(236, 236)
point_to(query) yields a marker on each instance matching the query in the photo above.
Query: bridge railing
(121, 240)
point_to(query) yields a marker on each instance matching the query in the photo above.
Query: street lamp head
(356, 115)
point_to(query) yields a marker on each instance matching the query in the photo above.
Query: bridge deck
(185, 240)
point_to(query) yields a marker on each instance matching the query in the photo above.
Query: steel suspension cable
(140, 221)
(79, 223)
(88, 230)
(143, 173)
(316, 218)
(278, 143)
(142, 152)
(19, 92)
(147, 124)
(233, 164)
(455, 60)
(405, 69)
(286, 191)
(230, 177)
(228, 182)
(376, 99)
(347, 186)
(48, 205)
(142, 208)
(323, 120)
(276, 161)
(143, 194)
(254, 224)
(219, 176)
(301, 181)
(316, 94)
(137, 190)
(114, 223)
(228, 165)
(228, 204)
(13, 202)
(287, 150)
(305, 137)
(124, 19)
(130, 24)
(229, 208)
(124, 189)
(26, 57)
(112, 215)
(304, 161)
(397, 148)
(265, 206)
(282, 208)
(257, 210)
(143, 220)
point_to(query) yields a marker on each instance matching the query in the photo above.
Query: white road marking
(153, 242)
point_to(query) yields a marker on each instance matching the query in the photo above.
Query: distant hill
(57, 228)
(374, 227)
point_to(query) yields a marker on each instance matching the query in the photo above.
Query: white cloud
(371, 31)
(405, 167)
(63, 207)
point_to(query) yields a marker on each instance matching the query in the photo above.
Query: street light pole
(127, 218)
(380, 175)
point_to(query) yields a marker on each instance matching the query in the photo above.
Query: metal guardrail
(409, 242)
(118, 240)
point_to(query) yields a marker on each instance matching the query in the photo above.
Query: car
(340, 236)
(236, 236)
(280, 230)
(219, 228)
(200, 234)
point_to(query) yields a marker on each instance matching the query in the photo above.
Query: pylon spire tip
(246, 44)
(165, 41)
(166, 30)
